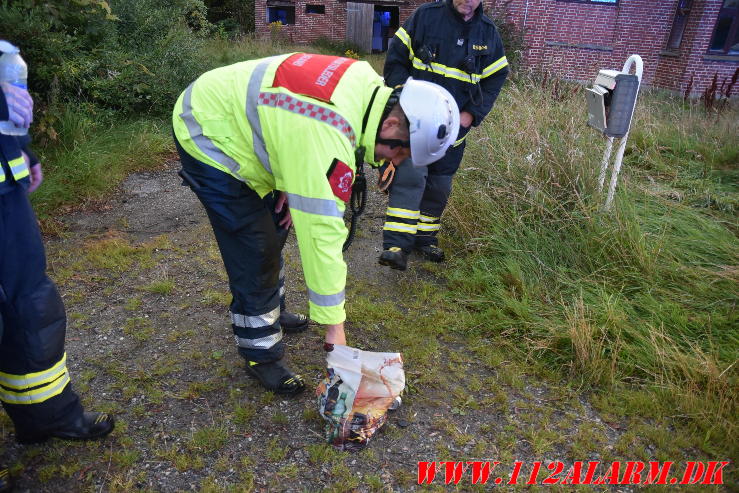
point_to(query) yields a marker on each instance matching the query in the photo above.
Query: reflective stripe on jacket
(18, 168)
(243, 120)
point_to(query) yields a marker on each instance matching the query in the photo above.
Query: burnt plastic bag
(355, 396)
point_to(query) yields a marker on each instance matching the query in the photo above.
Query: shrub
(235, 16)
(135, 59)
(511, 35)
(333, 47)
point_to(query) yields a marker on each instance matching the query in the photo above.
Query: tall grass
(93, 153)
(645, 295)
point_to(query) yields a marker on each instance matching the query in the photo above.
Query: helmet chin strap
(393, 143)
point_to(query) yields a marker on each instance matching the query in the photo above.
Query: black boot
(431, 252)
(5, 484)
(292, 323)
(395, 258)
(275, 376)
(87, 426)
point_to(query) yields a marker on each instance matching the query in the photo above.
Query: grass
(93, 153)
(643, 298)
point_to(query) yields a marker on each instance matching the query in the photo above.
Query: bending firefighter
(35, 385)
(454, 44)
(272, 142)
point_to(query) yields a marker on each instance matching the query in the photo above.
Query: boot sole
(286, 393)
(296, 329)
(45, 438)
(391, 264)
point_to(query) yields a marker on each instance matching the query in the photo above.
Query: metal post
(636, 61)
(604, 164)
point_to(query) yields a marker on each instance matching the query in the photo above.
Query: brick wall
(309, 27)
(572, 39)
(692, 61)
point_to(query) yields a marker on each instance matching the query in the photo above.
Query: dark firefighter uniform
(466, 58)
(34, 382)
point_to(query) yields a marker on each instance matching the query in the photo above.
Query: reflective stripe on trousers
(34, 388)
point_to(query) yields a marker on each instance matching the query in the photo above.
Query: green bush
(136, 59)
(232, 16)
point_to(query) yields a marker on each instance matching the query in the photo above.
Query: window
(726, 34)
(285, 15)
(678, 25)
(315, 9)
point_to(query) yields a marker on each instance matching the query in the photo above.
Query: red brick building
(679, 40)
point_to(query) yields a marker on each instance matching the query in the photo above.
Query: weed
(133, 304)
(208, 439)
(374, 483)
(243, 413)
(279, 418)
(162, 286)
(274, 451)
(289, 471)
(139, 327)
(126, 458)
(214, 297)
(321, 453)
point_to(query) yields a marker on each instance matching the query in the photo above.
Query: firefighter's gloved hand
(287, 220)
(20, 105)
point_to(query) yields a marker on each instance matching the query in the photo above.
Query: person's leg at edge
(36, 391)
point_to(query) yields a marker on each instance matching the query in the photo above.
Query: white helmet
(433, 116)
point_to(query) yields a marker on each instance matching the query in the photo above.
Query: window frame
(679, 25)
(731, 35)
(283, 7)
(319, 6)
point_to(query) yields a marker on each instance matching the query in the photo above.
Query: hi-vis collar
(371, 123)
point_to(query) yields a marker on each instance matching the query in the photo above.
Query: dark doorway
(386, 22)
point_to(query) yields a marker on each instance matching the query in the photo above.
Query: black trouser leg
(250, 244)
(402, 214)
(34, 381)
(437, 192)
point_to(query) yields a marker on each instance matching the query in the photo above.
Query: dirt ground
(149, 340)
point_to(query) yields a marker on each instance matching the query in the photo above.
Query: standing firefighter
(34, 382)
(259, 135)
(455, 45)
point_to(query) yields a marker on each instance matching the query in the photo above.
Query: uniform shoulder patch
(340, 177)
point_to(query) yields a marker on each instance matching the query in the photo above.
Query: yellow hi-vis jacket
(291, 123)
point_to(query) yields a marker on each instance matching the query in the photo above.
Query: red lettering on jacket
(311, 75)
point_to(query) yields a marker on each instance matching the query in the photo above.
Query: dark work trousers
(35, 389)
(418, 197)
(250, 240)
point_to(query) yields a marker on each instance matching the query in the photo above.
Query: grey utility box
(611, 102)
